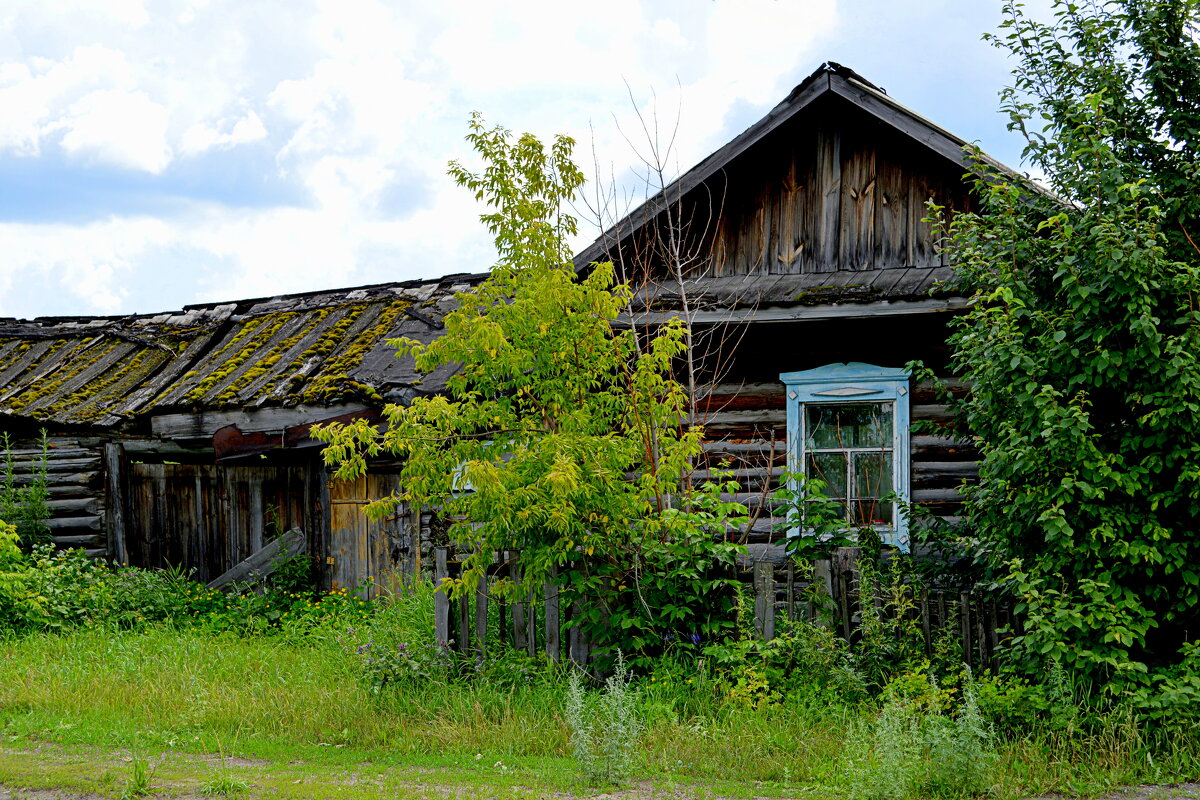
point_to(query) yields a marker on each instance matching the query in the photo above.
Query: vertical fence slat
(531, 626)
(964, 624)
(993, 637)
(764, 599)
(441, 601)
(464, 623)
(577, 644)
(552, 641)
(926, 631)
(845, 562)
(520, 637)
(823, 579)
(481, 614)
(791, 591)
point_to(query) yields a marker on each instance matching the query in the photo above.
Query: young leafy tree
(560, 434)
(1083, 344)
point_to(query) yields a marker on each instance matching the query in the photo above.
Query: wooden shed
(182, 438)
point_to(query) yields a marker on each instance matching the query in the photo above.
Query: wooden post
(481, 613)
(577, 643)
(552, 633)
(994, 637)
(925, 627)
(845, 565)
(414, 528)
(764, 599)
(823, 580)
(964, 624)
(791, 591)
(115, 468)
(464, 620)
(441, 601)
(520, 631)
(531, 626)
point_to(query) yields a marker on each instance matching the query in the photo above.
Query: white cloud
(85, 266)
(126, 129)
(202, 136)
(355, 101)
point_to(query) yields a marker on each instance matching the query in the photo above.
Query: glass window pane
(872, 474)
(831, 468)
(844, 425)
(870, 511)
(872, 480)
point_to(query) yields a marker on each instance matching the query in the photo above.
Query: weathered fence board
(833, 594)
(980, 624)
(263, 562)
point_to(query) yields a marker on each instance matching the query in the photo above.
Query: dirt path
(53, 772)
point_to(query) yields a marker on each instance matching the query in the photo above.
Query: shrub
(604, 729)
(25, 506)
(20, 606)
(804, 659)
(961, 754)
(66, 588)
(915, 749)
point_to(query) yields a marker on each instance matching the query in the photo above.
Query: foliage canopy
(560, 434)
(1083, 342)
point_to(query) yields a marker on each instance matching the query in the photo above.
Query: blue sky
(154, 154)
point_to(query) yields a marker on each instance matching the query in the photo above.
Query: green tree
(1083, 342)
(560, 434)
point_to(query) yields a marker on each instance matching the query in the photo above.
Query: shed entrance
(368, 554)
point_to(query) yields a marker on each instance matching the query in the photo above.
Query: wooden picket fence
(464, 622)
(981, 623)
(830, 596)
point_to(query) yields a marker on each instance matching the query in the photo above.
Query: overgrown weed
(605, 729)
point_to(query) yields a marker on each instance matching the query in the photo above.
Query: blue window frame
(847, 424)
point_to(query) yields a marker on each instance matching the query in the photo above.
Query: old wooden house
(799, 252)
(801, 255)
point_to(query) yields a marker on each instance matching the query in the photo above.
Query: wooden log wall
(75, 485)
(209, 518)
(746, 432)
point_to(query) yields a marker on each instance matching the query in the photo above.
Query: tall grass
(304, 692)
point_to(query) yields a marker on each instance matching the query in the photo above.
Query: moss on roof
(289, 357)
(282, 351)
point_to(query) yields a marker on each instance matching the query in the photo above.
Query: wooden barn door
(366, 553)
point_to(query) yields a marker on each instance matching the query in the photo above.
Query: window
(847, 424)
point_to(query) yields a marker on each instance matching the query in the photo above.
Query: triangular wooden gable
(834, 178)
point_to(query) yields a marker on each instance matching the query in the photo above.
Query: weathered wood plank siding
(847, 198)
(368, 553)
(209, 518)
(833, 190)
